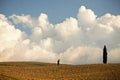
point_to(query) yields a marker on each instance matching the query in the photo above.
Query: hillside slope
(47, 71)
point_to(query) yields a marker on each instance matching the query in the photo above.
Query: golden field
(50, 71)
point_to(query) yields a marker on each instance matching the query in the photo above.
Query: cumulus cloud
(23, 19)
(68, 28)
(114, 55)
(76, 40)
(82, 54)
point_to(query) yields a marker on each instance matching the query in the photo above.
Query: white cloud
(68, 28)
(9, 37)
(114, 55)
(8, 34)
(43, 21)
(86, 18)
(82, 55)
(77, 41)
(23, 19)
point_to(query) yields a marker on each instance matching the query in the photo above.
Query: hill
(47, 71)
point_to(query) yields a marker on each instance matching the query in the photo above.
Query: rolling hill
(50, 71)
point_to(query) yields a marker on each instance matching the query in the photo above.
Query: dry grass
(45, 71)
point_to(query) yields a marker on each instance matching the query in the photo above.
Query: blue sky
(58, 10)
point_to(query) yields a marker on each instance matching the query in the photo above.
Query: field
(47, 71)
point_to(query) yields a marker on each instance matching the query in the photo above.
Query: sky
(58, 10)
(74, 31)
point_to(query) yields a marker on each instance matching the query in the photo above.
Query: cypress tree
(105, 55)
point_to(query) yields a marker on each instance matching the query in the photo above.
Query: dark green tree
(105, 55)
(58, 62)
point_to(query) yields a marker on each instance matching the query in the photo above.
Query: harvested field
(49, 71)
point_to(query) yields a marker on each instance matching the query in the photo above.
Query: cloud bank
(76, 40)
